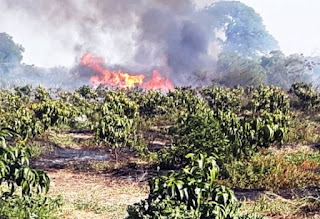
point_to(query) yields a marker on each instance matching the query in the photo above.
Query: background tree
(283, 71)
(245, 33)
(10, 52)
(234, 70)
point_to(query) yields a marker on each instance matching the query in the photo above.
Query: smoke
(176, 40)
(138, 35)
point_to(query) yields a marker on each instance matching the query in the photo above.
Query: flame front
(112, 78)
(122, 79)
(157, 82)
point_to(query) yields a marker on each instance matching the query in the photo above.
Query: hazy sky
(294, 23)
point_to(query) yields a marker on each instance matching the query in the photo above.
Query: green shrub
(87, 92)
(220, 98)
(116, 126)
(189, 193)
(22, 185)
(197, 132)
(308, 97)
(16, 173)
(215, 126)
(29, 207)
(269, 99)
(151, 103)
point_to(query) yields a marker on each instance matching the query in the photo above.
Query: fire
(158, 82)
(112, 78)
(122, 79)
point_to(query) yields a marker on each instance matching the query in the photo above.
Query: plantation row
(207, 128)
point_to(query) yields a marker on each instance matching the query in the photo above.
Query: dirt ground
(94, 196)
(93, 185)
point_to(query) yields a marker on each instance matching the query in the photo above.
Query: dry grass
(275, 170)
(89, 192)
(274, 206)
(95, 196)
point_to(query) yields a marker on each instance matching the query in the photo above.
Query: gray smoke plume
(138, 35)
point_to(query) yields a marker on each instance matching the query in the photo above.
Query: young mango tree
(309, 99)
(191, 192)
(116, 131)
(15, 170)
(116, 126)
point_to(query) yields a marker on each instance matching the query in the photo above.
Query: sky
(294, 23)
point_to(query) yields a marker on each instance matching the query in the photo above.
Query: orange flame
(112, 78)
(123, 79)
(157, 82)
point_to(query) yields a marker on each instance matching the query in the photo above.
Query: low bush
(271, 172)
(29, 207)
(22, 185)
(191, 192)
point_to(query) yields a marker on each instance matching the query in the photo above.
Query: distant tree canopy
(14, 73)
(250, 55)
(235, 70)
(314, 75)
(272, 69)
(244, 30)
(10, 52)
(283, 71)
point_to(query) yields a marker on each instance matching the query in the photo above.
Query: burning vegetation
(121, 79)
(155, 38)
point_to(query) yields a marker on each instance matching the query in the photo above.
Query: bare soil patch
(95, 195)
